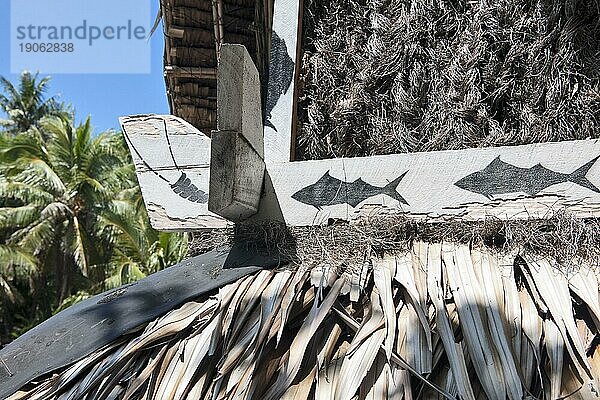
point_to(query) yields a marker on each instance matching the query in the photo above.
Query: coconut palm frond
(18, 217)
(26, 104)
(122, 218)
(80, 247)
(28, 144)
(24, 193)
(440, 321)
(38, 173)
(36, 237)
(23, 262)
(9, 292)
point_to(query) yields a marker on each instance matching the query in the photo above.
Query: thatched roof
(193, 31)
(436, 321)
(387, 309)
(395, 76)
(389, 317)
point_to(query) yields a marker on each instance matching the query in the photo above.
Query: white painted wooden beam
(519, 182)
(172, 161)
(237, 166)
(283, 69)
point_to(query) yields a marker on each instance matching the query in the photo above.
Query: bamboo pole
(217, 11)
(190, 72)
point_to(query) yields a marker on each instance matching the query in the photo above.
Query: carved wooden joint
(237, 149)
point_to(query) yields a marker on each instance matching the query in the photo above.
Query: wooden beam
(519, 182)
(172, 161)
(237, 166)
(190, 72)
(238, 96)
(175, 32)
(237, 173)
(217, 14)
(281, 81)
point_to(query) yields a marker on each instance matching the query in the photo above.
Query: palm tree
(139, 250)
(55, 191)
(26, 104)
(72, 219)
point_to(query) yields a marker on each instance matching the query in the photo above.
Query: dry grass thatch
(194, 30)
(392, 76)
(438, 321)
(560, 237)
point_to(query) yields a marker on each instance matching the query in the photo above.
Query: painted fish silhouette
(183, 187)
(328, 191)
(500, 177)
(186, 189)
(281, 74)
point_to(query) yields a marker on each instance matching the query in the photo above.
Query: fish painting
(281, 74)
(500, 177)
(329, 191)
(184, 188)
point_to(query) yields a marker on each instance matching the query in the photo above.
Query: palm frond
(27, 194)
(9, 292)
(29, 144)
(18, 217)
(38, 173)
(14, 260)
(9, 88)
(297, 335)
(80, 247)
(37, 237)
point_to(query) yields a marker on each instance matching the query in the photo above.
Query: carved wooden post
(237, 166)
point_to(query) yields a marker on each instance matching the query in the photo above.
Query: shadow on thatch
(94, 323)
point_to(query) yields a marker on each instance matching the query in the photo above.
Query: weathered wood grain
(238, 95)
(237, 166)
(237, 173)
(161, 159)
(281, 85)
(473, 184)
(520, 182)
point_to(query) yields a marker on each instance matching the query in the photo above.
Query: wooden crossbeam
(252, 178)
(509, 183)
(519, 182)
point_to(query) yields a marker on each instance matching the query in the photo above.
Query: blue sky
(104, 97)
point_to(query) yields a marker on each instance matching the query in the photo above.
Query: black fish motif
(281, 74)
(329, 191)
(500, 177)
(187, 190)
(183, 187)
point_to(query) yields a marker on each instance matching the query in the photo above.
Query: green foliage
(25, 104)
(72, 220)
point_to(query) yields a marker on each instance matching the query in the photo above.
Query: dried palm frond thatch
(437, 321)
